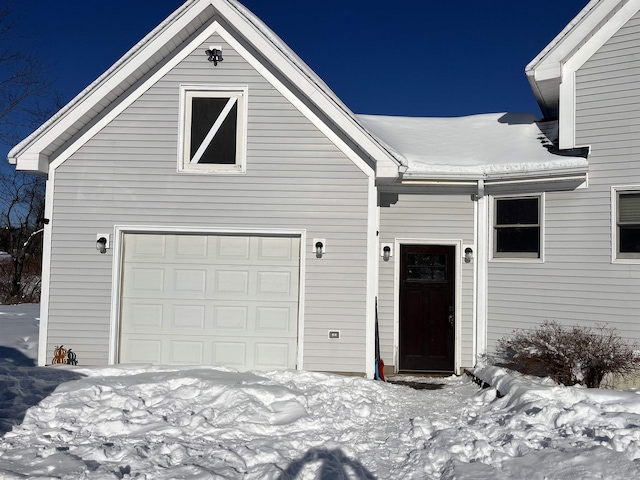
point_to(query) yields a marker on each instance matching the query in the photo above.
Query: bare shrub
(569, 355)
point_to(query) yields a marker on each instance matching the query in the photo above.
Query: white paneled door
(210, 300)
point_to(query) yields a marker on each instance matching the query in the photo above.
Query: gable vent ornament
(214, 55)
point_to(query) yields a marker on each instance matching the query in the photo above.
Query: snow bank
(150, 422)
(19, 334)
(160, 422)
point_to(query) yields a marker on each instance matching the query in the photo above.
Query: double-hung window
(627, 232)
(517, 231)
(213, 129)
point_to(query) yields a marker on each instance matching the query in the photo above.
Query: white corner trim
(567, 112)
(372, 278)
(43, 330)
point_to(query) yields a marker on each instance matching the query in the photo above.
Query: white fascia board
(569, 39)
(133, 96)
(567, 108)
(215, 27)
(31, 161)
(85, 102)
(344, 119)
(566, 55)
(547, 72)
(296, 101)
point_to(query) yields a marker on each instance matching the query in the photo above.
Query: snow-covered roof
(477, 146)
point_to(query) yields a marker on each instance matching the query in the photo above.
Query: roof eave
(317, 92)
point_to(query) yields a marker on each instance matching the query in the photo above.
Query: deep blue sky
(417, 57)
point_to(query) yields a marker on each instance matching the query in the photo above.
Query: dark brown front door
(427, 308)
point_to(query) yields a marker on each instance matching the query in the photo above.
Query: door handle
(451, 317)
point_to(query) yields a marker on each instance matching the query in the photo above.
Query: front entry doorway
(427, 308)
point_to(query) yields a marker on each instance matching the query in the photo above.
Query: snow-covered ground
(150, 422)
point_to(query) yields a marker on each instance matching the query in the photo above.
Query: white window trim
(541, 222)
(615, 190)
(240, 94)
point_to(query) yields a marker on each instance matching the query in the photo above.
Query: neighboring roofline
(565, 42)
(551, 73)
(288, 64)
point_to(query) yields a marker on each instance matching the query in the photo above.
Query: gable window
(517, 227)
(628, 224)
(213, 129)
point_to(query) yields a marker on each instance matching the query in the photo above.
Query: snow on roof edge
(16, 150)
(259, 26)
(560, 36)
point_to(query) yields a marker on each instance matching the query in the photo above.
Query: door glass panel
(426, 267)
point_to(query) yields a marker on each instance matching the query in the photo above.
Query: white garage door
(210, 300)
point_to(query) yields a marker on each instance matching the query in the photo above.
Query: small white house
(211, 201)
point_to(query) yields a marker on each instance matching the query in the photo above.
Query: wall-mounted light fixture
(214, 54)
(386, 251)
(102, 242)
(468, 255)
(318, 246)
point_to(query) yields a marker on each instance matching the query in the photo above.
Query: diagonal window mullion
(214, 129)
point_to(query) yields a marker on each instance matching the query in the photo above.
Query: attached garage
(209, 299)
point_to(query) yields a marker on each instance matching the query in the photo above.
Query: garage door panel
(276, 248)
(137, 350)
(145, 315)
(186, 352)
(271, 355)
(230, 317)
(275, 320)
(231, 354)
(236, 248)
(224, 300)
(189, 317)
(234, 282)
(191, 247)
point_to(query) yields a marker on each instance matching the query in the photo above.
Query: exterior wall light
(386, 251)
(468, 255)
(319, 246)
(102, 242)
(214, 55)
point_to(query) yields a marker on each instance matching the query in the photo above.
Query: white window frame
(517, 256)
(616, 256)
(238, 94)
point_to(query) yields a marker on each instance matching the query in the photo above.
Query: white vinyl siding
(579, 283)
(432, 217)
(297, 179)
